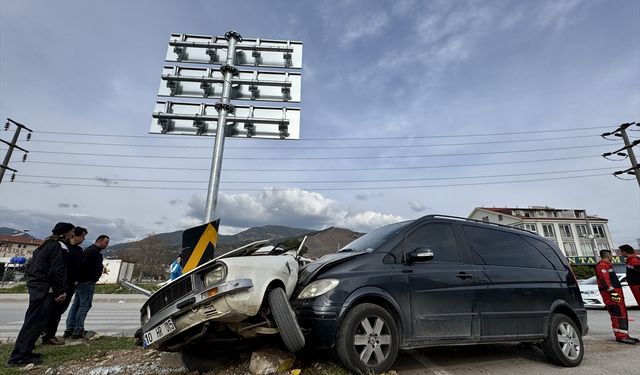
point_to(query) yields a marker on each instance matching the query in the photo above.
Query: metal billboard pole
(277, 84)
(223, 107)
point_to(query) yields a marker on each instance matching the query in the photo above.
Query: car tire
(563, 346)
(368, 330)
(286, 320)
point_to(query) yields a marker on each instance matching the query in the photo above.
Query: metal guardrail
(136, 288)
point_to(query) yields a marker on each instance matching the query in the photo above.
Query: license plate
(158, 331)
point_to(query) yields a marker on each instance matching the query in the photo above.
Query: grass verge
(56, 355)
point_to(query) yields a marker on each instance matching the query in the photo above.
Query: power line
(319, 169)
(182, 188)
(361, 138)
(320, 158)
(318, 147)
(325, 181)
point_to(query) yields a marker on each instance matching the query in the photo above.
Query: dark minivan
(441, 280)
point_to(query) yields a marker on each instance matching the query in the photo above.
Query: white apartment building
(575, 233)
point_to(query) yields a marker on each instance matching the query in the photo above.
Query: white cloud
(557, 14)
(292, 207)
(40, 224)
(363, 26)
(417, 206)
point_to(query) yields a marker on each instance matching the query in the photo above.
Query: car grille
(169, 295)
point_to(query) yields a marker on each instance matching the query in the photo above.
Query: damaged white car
(237, 296)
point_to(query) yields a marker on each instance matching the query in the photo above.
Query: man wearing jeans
(89, 274)
(46, 283)
(74, 264)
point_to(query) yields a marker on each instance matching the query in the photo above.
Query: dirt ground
(138, 361)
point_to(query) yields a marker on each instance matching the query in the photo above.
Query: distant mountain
(171, 243)
(4, 231)
(165, 246)
(329, 241)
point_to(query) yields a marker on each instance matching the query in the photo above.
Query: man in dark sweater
(89, 274)
(74, 264)
(46, 283)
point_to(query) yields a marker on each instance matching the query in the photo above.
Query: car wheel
(367, 339)
(564, 345)
(285, 320)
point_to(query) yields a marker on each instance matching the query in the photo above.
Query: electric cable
(182, 188)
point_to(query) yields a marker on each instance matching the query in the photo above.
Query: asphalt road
(119, 315)
(114, 315)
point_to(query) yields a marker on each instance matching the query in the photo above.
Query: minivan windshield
(374, 239)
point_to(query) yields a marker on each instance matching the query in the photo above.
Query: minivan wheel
(564, 345)
(367, 339)
(286, 320)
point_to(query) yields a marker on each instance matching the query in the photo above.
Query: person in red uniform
(633, 270)
(611, 292)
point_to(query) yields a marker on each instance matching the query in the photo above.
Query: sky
(409, 108)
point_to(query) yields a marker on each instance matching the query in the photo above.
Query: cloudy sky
(409, 108)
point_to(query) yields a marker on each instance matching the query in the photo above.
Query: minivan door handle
(463, 275)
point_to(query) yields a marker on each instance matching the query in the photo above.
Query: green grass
(20, 288)
(56, 355)
(100, 288)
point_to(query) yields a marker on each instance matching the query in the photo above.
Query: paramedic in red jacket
(611, 292)
(633, 270)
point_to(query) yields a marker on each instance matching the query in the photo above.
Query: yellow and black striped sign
(199, 244)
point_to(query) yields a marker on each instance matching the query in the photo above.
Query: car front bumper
(194, 309)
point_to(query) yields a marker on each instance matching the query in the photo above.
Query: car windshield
(372, 240)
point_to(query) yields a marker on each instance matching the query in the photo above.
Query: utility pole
(621, 131)
(14, 144)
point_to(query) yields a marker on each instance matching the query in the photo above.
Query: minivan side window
(495, 247)
(546, 250)
(438, 237)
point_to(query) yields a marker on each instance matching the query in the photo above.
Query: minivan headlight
(318, 288)
(215, 276)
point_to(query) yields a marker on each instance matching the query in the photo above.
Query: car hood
(311, 270)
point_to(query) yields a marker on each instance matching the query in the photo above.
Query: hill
(153, 254)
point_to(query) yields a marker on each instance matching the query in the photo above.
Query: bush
(584, 272)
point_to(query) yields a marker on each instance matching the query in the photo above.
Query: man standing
(73, 262)
(633, 270)
(90, 273)
(46, 282)
(611, 292)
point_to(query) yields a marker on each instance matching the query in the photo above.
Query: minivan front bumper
(319, 322)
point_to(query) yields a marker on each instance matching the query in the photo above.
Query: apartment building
(575, 233)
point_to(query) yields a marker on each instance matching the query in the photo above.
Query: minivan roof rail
(478, 221)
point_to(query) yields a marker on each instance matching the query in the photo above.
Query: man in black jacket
(89, 274)
(46, 282)
(74, 264)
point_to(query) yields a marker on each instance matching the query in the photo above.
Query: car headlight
(318, 288)
(215, 276)
(145, 316)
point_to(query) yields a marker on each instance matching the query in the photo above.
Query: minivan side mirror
(420, 254)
